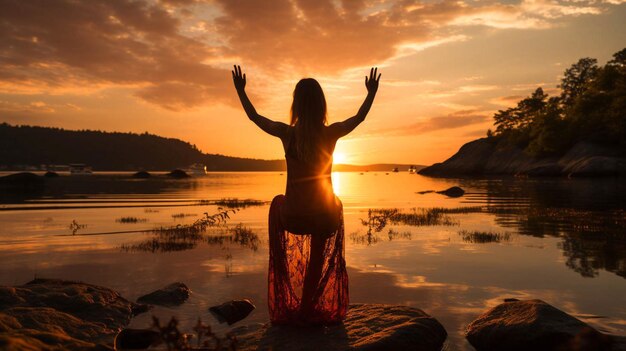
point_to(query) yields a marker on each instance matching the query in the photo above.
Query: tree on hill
(591, 107)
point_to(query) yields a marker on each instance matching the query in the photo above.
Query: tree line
(591, 107)
(30, 145)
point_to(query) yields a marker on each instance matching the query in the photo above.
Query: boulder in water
(51, 174)
(232, 311)
(367, 327)
(533, 325)
(142, 175)
(171, 295)
(454, 191)
(178, 174)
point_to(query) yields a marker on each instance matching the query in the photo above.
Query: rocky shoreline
(47, 314)
(487, 156)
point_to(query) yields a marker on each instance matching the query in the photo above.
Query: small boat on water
(80, 169)
(412, 169)
(395, 170)
(196, 169)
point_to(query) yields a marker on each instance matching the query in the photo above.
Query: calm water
(563, 241)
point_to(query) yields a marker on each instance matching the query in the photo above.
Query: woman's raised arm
(274, 128)
(341, 129)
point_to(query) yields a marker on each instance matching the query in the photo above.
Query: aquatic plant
(131, 220)
(75, 227)
(395, 235)
(237, 203)
(239, 235)
(206, 340)
(198, 226)
(378, 219)
(479, 237)
(183, 215)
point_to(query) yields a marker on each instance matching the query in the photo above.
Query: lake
(559, 240)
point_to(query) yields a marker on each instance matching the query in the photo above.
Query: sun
(339, 157)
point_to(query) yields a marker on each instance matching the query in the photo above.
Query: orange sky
(163, 66)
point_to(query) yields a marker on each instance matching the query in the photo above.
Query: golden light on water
(336, 179)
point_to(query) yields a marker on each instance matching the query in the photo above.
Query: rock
(549, 170)
(232, 311)
(171, 295)
(532, 325)
(55, 314)
(489, 156)
(142, 175)
(367, 327)
(597, 166)
(470, 159)
(24, 181)
(178, 174)
(454, 191)
(51, 174)
(136, 339)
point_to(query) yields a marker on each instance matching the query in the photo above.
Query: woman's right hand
(239, 79)
(371, 83)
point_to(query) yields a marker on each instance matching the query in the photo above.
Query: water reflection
(450, 257)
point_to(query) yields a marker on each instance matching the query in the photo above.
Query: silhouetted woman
(308, 282)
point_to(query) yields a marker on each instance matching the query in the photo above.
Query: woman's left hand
(239, 79)
(371, 83)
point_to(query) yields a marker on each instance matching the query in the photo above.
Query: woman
(308, 282)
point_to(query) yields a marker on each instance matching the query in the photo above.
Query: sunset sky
(164, 66)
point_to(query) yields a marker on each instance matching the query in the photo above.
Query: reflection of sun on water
(336, 178)
(338, 157)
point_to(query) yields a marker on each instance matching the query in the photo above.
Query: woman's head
(308, 115)
(309, 103)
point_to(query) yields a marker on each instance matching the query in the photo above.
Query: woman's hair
(308, 116)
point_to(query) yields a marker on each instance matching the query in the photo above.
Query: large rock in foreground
(55, 314)
(534, 325)
(367, 327)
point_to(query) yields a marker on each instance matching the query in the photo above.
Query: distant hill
(378, 167)
(113, 151)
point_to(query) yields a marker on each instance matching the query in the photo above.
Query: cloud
(508, 101)
(453, 120)
(25, 108)
(176, 53)
(47, 45)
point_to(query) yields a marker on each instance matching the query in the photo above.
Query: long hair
(308, 116)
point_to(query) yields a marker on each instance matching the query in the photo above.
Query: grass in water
(239, 235)
(186, 237)
(131, 220)
(236, 203)
(378, 219)
(75, 227)
(478, 237)
(183, 215)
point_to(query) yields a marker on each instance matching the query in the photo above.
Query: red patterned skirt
(307, 279)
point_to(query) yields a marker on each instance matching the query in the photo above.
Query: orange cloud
(453, 120)
(176, 53)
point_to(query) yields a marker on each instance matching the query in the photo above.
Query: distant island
(28, 147)
(581, 132)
